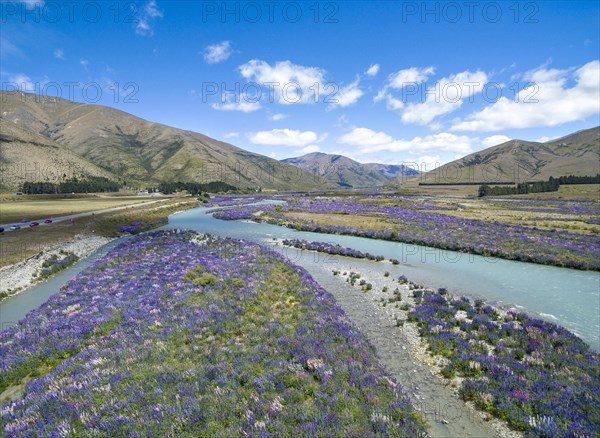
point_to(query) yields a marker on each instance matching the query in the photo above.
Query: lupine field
(535, 375)
(414, 221)
(330, 248)
(177, 334)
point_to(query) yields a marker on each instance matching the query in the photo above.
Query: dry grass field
(15, 208)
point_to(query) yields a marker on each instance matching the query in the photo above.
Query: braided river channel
(568, 297)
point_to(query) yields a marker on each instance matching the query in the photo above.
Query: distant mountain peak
(347, 173)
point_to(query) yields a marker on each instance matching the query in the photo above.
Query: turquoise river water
(568, 297)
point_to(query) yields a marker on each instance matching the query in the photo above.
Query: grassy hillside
(138, 150)
(519, 161)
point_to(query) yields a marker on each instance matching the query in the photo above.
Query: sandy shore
(400, 348)
(17, 277)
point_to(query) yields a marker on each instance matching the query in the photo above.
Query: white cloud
(369, 141)
(277, 117)
(22, 82)
(365, 137)
(494, 140)
(310, 149)
(242, 106)
(402, 78)
(283, 137)
(231, 135)
(409, 76)
(59, 54)
(545, 139)
(216, 53)
(548, 102)
(84, 62)
(446, 96)
(392, 103)
(346, 96)
(429, 162)
(373, 70)
(289, 83)
(146, 18)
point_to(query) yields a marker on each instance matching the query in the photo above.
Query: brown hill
(137, 150)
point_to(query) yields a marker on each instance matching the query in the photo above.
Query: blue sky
(393, 82)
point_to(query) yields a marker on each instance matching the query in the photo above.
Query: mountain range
(49, 138)
(520, 161)
(347, 173)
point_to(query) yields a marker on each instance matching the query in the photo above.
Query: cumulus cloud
(373, 70)
(494, 140)
(549, 101)
(369, 141)
(412, 76)
(289, 83)
(545, 139)
(231, 135)
(59, 54)
(146, 17)
(216, 53)
(22, 82)
(242, 106)
(430, 162)
(446, 96)
(284, 137)
(310, 149)
(346, 96)
(409, 76)
(277, 117)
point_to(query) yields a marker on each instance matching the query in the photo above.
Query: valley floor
(560, 233)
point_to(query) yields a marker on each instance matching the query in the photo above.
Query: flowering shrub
(173, 334)
(243, 212)
(414, 223)
(330, 248)
(536, 375)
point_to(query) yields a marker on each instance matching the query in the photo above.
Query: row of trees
(521, 189)
(551, 185)
(195, 188)
(572, 179)
(90, 184)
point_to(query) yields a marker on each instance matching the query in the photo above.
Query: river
(568, 297)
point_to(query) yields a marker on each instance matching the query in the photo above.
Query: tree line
(90, 184)
(551, 185)
(195, 188)
(572, 179)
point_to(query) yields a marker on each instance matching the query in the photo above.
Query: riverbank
(19, 276)
(548, 233)
(227, 340)
(399, 348)
(492, 358)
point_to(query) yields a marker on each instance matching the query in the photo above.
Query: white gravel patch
(21, 275)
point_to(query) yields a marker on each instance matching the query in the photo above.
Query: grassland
(555, 232)
(575, 192)
(19, 245)
(15, 208)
